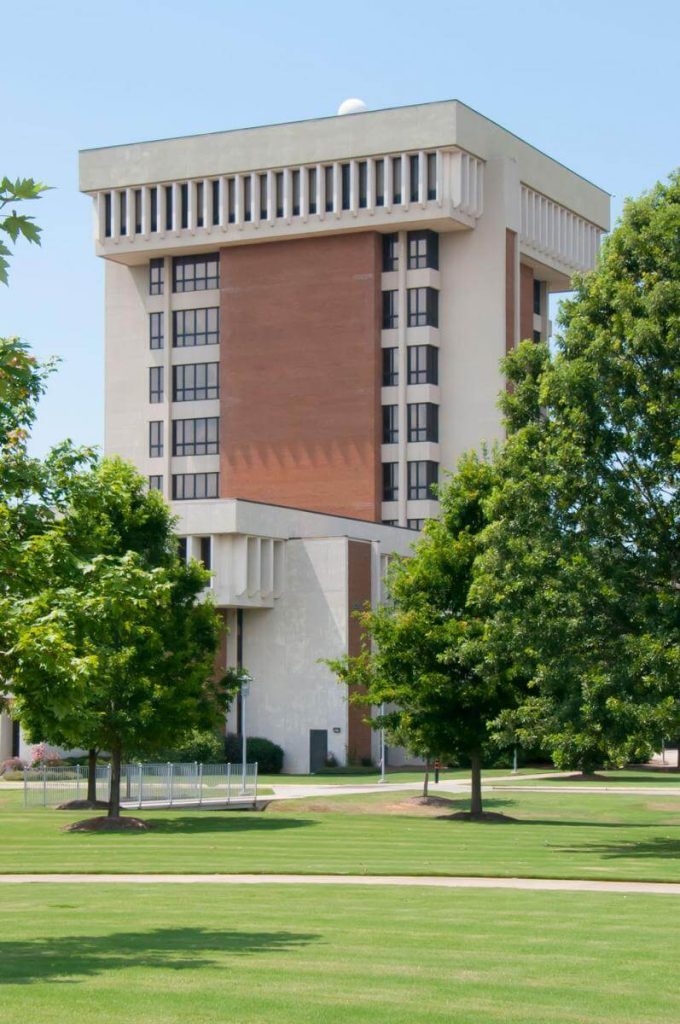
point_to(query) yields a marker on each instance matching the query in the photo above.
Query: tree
(116, 650)
(12, 224)
(415, 654)
(580, 581)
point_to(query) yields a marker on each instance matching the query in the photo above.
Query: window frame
(417, 489)
(156, 433)
(195, 281)
(390, 481)
(156, 331)
(195, 392)
(210, 331)
(207, 481)
(390, 309)
(156, 385)
(390, 424)
(390, 367)
(186, 440)
(423, 421)
(422, 250)
(422, 307)
(418, 374)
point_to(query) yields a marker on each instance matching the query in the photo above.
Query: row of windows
(422, 365)
(411, 524)
(199, 436)
(422, 419)
(191, 382)
(422, 308)
(162, 198)
(190, 327)
(188, 485)
(422, 250)
(189, 274)
(421, 476)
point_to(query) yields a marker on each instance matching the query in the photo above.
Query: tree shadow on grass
(70, 959)
(210, 823)
(658, 848)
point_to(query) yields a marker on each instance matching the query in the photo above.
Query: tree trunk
(92, 775)
(426, 779)
(114, 798)
(475, 786)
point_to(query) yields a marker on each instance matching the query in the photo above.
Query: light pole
(246, 680)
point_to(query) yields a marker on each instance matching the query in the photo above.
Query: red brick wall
(300, 374)
(526, 303)
(510, 282)
(358, 595)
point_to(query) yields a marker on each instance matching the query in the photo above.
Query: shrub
(12, 775)
(41, 754)
(331, 761)
(204, 746)
(12, 764)
(366, 762)
(268, 755)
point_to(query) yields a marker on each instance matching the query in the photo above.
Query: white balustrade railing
(554, 231)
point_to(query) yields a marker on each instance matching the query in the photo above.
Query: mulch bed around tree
(108, 825)
(489, 816)
(83, 805)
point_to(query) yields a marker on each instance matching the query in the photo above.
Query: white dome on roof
(352, 106)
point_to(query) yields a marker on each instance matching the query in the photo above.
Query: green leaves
(16, 225)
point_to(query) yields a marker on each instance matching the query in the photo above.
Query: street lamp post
(246, 680)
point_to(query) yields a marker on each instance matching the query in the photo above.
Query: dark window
(195, 327)
(295, 185)
(396, 179)
(421, 478)
(328, 186)
(415, 524)
(538, 304)
(423, 364)
(138, 211)
(390, 433)
(156, 277)
(537, 336)
(345, 183)
(184, 205)
(390, 522)
(390, 471)
(182, 549)
(431, 175)
(423, 250)
(155, 482)
(168, 207)
(216, 196)
(195, 382)
(155, 439)
(186, 486)
(156, 384)
(200, 199)
(122, 201)
(195, 273)
(390, 367)
(155, 330)
(206, 552)
(311, 189)
(231, 200)
(414, 168)
(264, 211)
(380, 183)
(278, 178)
(423, 307)
(248, 197)
(390, 301)
(107, 215)
(198, 436)
(390, 252)
(153, 203)
(363, 184)
(423, 421)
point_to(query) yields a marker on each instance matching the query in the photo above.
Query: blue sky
(595, 84)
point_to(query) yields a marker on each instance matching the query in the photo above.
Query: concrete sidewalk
(435, 881)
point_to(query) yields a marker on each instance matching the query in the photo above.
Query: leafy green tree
(116, 650)
(580, 582)
(415, 656)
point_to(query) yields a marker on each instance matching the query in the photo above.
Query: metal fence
(144, 785)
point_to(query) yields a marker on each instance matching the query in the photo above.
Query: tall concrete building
(311, 316)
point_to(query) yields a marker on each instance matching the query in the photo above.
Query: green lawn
(557, 835)
(323, 955)
(366, 778)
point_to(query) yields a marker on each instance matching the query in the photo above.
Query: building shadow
(70, 959)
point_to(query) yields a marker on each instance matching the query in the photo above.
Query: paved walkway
(436, 881)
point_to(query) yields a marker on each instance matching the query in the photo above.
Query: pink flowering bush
(12, 764)
(42, 754)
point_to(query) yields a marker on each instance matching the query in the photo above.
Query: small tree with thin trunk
(415, 652)
(116, 651)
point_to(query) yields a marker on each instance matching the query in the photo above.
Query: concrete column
(5, 736)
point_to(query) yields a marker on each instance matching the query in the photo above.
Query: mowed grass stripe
(159, 955)
(556, 835)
